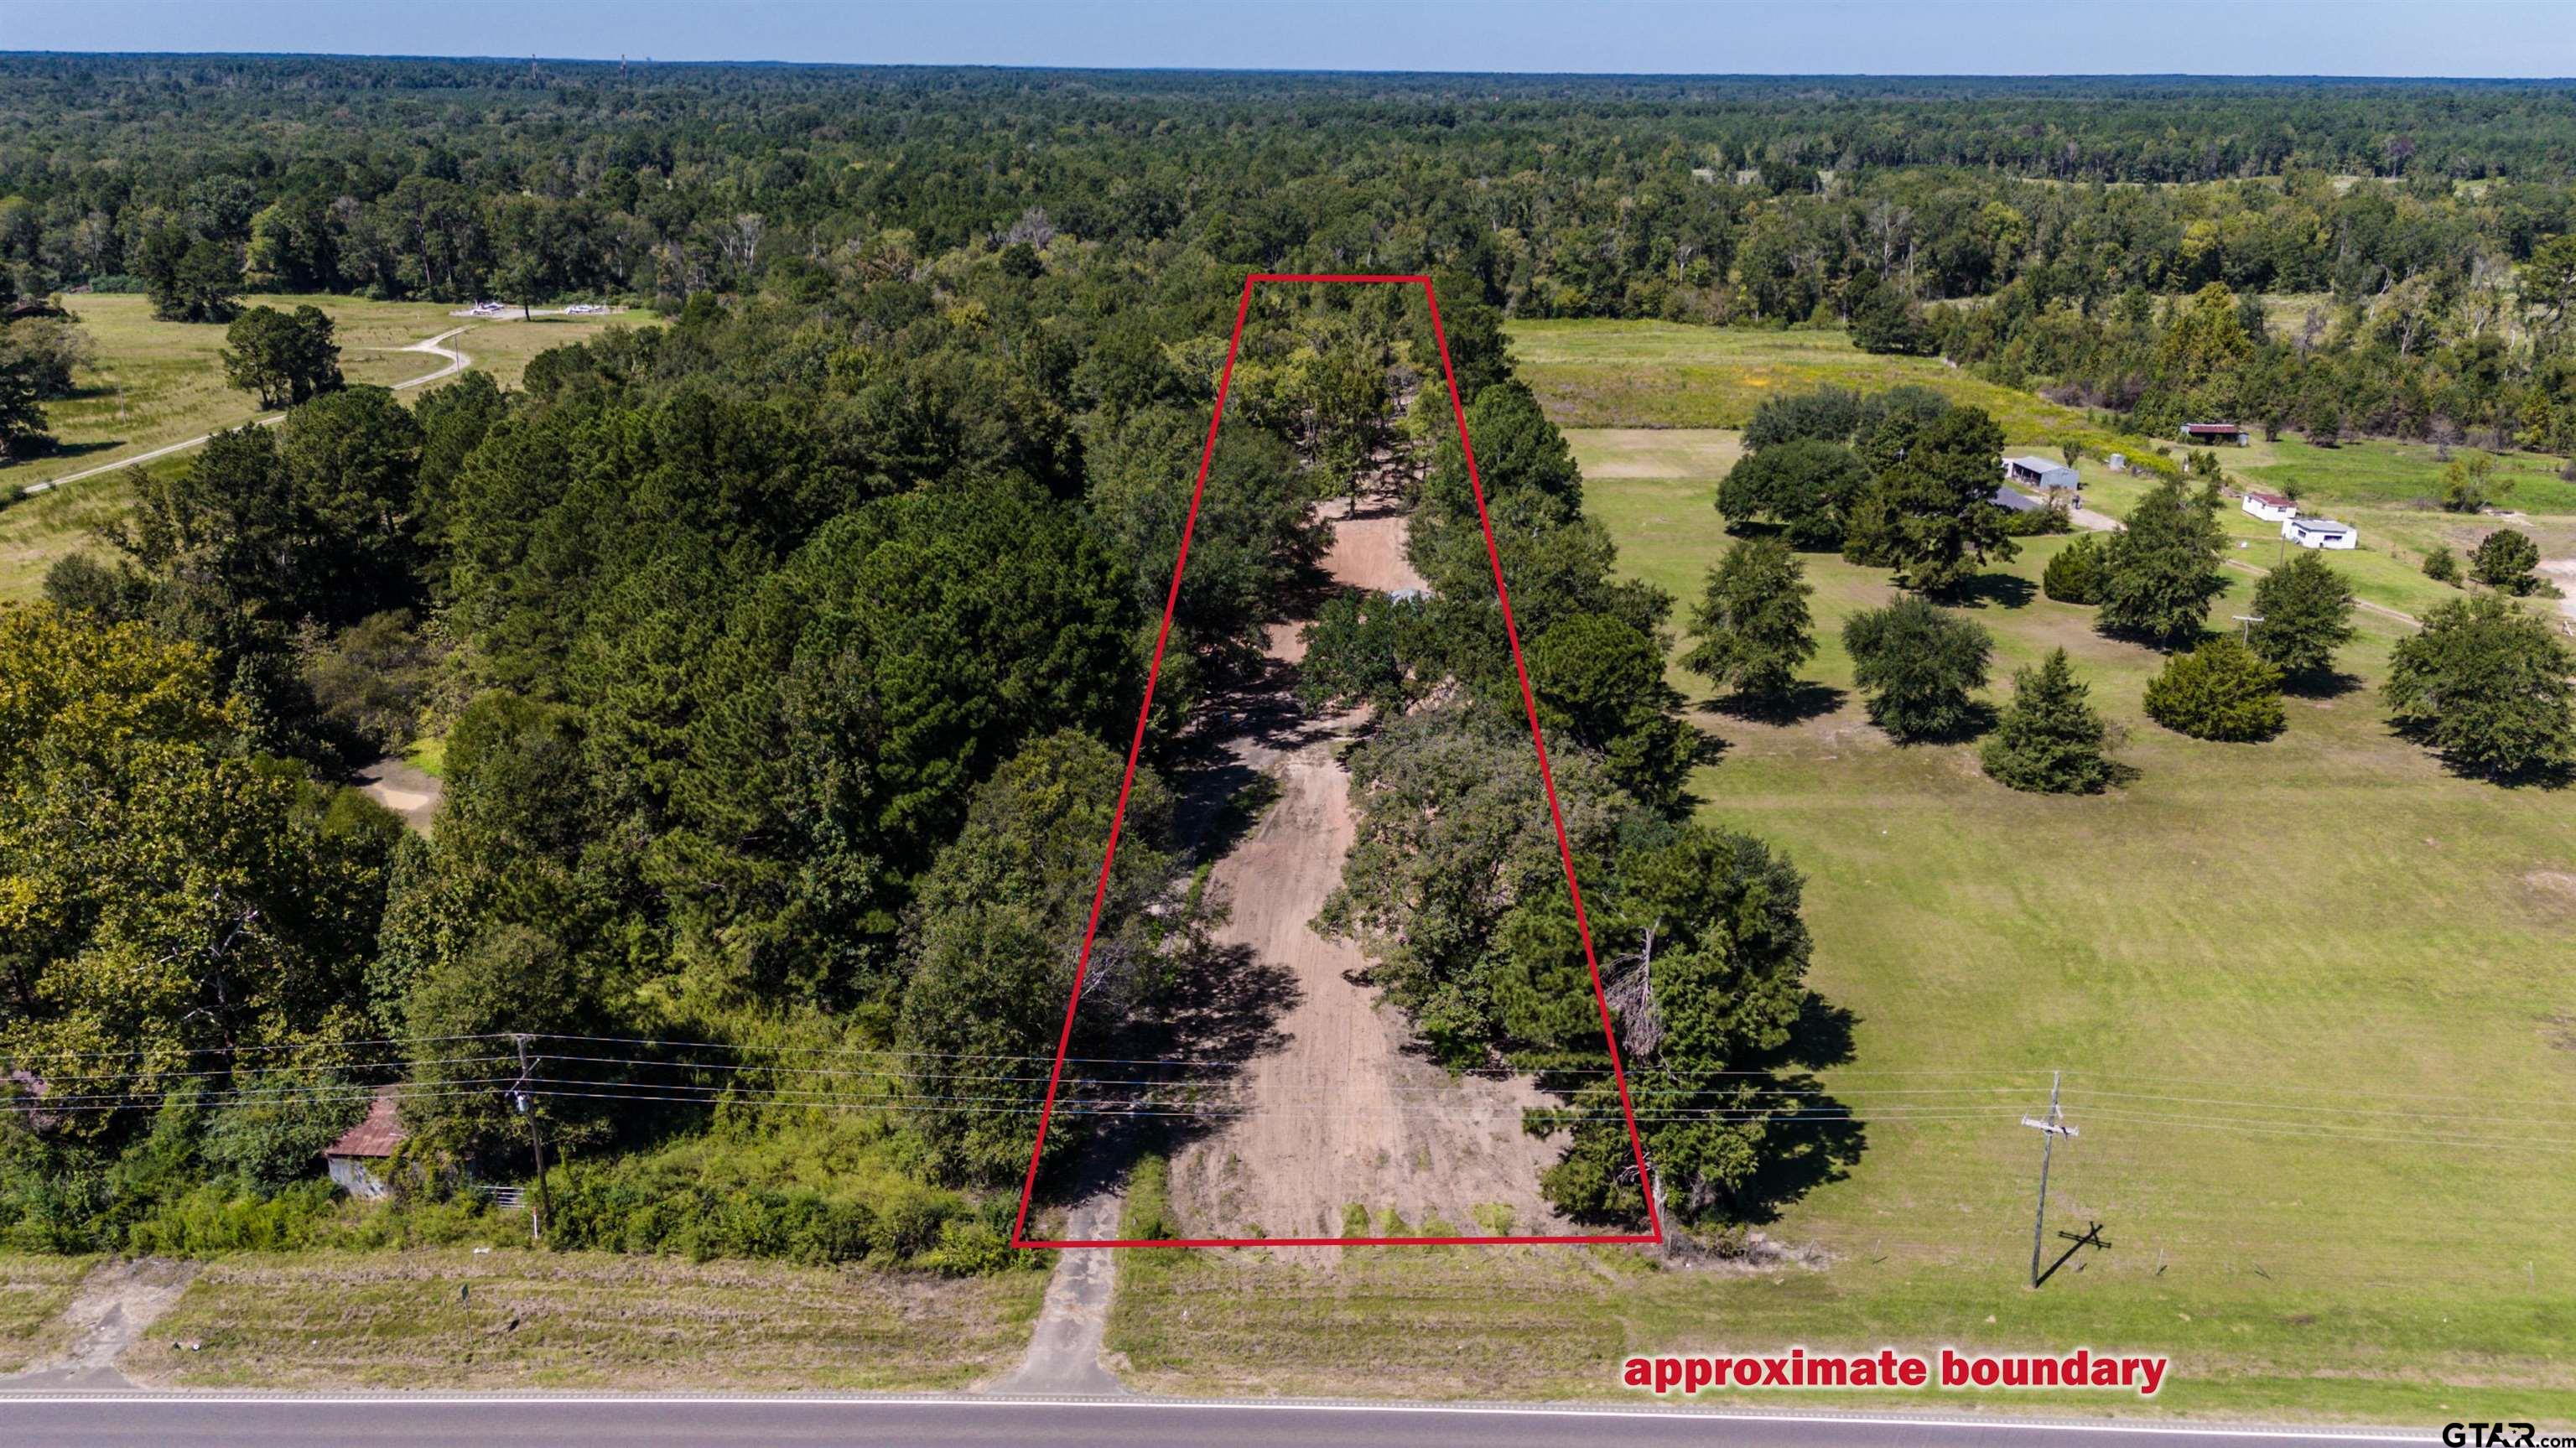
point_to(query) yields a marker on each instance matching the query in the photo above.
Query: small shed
(2041, 474)
(2270, 507)
(2013, 500)
(357, 1160)
(2216, 432)
(2321, 533)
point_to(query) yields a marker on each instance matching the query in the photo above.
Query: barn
(2041, 474)
(2228, 432)
(357, 1160)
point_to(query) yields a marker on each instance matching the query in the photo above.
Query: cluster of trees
(1898, 479)
(2446, 271)
(1804, 484)
(785, 656)
(1456, 884)
(784, 649)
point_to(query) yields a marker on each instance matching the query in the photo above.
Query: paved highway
(167, 1420)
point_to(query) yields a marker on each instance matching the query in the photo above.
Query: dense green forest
(787, 645)
(2413, 219)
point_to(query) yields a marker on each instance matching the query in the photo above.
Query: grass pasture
(1673, 375)
(33, 1293)
(518, 1319)
(158, 383)
(2314, 999)
(2314, 993)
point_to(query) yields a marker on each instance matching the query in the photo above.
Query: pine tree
(2161, 571)
(2306, 611)
(2221, 690)
(1752, 623)
(2049, 739)
(2075, 574)
(2504, 560)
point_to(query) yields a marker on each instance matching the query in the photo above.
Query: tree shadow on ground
(1975, 722)
(1804, 700)
(1165, 1078)
(2332, 684)
(61, 450)
(2553, 775)
(1993, 590)
(1816, 1138)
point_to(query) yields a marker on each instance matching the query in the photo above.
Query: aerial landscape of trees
(785, 641)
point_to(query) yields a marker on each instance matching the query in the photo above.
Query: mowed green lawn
(2315, 1000)
(157, 383)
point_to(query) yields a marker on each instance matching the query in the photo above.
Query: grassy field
(1661, 399)
(33, 1293)
(2313, 999)
(158, 383)
(2385, 490)
(513, 1319)
(1667, 374)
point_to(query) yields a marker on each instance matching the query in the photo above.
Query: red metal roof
(2211, 427)
(378, 1135)
(2274, 500)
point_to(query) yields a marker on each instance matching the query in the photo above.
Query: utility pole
(2049, 1128)
(2249, 620)
(537, 1140)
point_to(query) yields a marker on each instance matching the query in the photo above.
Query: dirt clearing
(115, 1304)
(1343, 1114)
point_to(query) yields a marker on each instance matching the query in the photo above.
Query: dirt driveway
(1341, 1112)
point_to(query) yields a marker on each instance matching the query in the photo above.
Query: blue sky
(2005, 37)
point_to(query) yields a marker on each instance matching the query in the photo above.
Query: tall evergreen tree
(2160, 573)
(1931, 514)
(2306, 611)
(2049, 740)
(1752, 622)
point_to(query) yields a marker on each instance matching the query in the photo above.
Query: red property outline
(1547, 778)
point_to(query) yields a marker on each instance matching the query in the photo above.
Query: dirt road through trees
(1343, 1113)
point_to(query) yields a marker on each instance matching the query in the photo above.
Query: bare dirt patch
(405, 789)
(2562, 571)
(116, 1303)
(1342, 1112)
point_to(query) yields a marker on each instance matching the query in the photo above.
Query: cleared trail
(1343, 1111)
(436, 346)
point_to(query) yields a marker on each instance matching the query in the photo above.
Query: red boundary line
(1135, 746)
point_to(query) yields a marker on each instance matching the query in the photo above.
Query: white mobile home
(2270, 507)
(2321, 533)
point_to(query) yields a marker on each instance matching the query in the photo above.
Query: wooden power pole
(2049, 1128)
(536, 1140)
